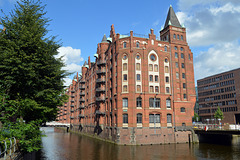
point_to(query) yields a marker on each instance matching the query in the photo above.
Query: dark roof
(104, 39)
(172, 18)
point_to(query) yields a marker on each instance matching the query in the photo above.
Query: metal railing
(7, 151)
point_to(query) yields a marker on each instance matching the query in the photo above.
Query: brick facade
(139, 90)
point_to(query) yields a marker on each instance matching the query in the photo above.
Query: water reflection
(60, 145)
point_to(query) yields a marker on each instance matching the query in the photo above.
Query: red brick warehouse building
(139, 90)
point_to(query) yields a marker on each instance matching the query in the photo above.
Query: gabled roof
(172, 19)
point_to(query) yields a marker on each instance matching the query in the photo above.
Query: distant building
(220, 90)
(139, 90)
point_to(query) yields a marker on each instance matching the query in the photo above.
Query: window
(156, 78)
(124, 44)
(189, 56)
(167, 90)
(157, 102)
(174, 36)
(168, 103)
(138, 77)
(182, 109)
(184, 124)
(166, 60)
(176, 55)
(156, 89)
(184, 85)
(150, 67)
(184, 96)
(138, 88)
(139, 102)
(154, 118)
(156, 68)
(152, 42)
(125, 88)
(183, 66)
(137, 44)
(167, 79)
(182, 55)
(125, 102)
(151, 78)
(169, 118)
(151, 102)
(181, 48)
(181, 37)
(151, 88)
(139, 118)
(124, 66)
(125, 77)
(178, 37)
(165, 48)
(183, 75)
(138, 66)
(175, 47)
(152, 57)
(125, 118)
(166, 69)
(176, 64)
(177, 75)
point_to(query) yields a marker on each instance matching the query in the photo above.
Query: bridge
(56, 124)
(215, 133)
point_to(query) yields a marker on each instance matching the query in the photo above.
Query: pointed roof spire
(85, 63)
(104, 39)
(172, 18)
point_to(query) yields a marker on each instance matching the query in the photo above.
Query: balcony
(65, 109)
(102, 62)
(72, 96)
(81, 116)
(81, 100)
(72, 91)
(72, 106)
(99, 112)
(72, 101)
(99, 99)
(100, 89)
(82, 81)
(101, 80)
(101, 71)
(81, 107)
(82, 93)
(72, 110)
(71, 117)
(82, 87)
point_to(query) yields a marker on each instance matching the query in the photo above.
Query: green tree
(31, 78)
(196, 117)
(218, 114)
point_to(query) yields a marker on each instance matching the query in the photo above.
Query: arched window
(168, 103)
(125, 118)
(174, 36)
(178, 37)
(124, 44)
(183, 109)
(124, 66)
(181, 49)
(181, 37)
(175, 47)
(139, 118)
(139, 102)
(169, 118)
(137, 44)
(165, 48)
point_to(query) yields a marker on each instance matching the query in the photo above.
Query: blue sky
(213, 30)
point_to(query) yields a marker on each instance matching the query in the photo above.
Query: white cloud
(212, 23)
(220, 58)
(72, 59)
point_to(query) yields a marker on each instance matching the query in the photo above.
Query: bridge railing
(217, 126)
(8, 148)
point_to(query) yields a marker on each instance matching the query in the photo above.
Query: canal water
(60, 145)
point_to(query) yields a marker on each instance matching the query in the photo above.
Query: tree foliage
(218, 114)
(31, 78)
